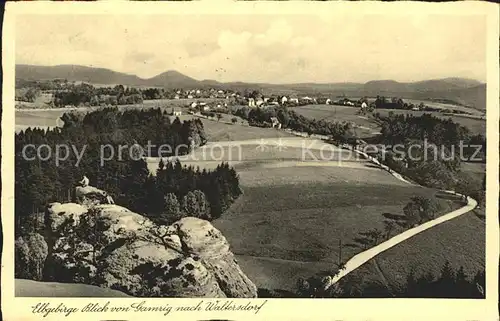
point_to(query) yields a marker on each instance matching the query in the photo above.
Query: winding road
(363, 257)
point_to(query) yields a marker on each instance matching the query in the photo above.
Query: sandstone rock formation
(89, 195)
(110, 246)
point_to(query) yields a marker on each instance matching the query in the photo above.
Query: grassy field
(366, 125)
(249, 155)
(427, 252)
(225, 130)
(291, 218)
(280, 227)
(293, 214)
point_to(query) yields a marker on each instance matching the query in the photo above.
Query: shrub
(419, 210)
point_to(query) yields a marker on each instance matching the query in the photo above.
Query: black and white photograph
(250, 156)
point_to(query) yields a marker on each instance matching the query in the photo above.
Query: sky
(261, 48)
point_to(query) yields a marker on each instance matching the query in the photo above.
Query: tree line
(382, 102)
(127, 179)
(261, 117)
(87, 95)
(435, 164)
(448, 283)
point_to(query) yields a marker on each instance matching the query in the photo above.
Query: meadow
(274, 229)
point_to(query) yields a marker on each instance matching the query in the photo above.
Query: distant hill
(463, 91)
(172, 79)
(473, 96)
(76, 73)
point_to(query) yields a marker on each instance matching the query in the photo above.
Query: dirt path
(363, 257)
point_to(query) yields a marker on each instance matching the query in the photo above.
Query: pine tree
(172, 205)
(203, 205)
(190, 205)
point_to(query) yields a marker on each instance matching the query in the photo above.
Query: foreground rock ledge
(110, 246)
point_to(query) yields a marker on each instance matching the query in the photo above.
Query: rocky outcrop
(90, 195)
(110, 246)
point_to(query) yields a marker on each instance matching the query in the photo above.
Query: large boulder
(90, 195)
(63, 214)
(110, 246)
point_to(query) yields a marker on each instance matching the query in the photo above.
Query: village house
(306, 100)
(346, 102)
(251, 102)
(176, 112)
(284, 100)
